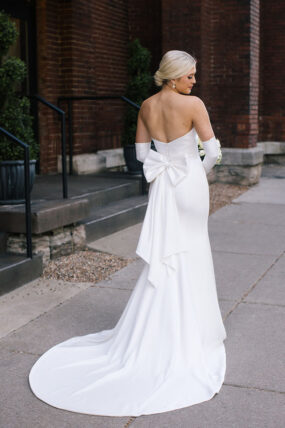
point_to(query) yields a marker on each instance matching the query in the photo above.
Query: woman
(166, 350)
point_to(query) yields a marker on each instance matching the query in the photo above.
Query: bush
(138, 88)
(14, 110)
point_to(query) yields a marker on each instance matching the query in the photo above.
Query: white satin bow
(156, 163)
(160, 239)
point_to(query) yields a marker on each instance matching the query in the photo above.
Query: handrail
(70, 99)
(27, 190)
(87, 98)
(63, 140)
(99, 97)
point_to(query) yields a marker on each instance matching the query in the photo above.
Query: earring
(173, 85)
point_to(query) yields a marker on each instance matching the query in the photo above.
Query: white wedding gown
(166, 350)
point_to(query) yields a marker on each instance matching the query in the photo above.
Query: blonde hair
(174, 64)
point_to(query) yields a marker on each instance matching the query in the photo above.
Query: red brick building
(79, 47)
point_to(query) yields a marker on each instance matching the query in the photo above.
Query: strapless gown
(166, 350)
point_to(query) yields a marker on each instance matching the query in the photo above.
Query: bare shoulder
(147, 105)
(186, 104)
(149, 101)
(196, 102)
(197, 107)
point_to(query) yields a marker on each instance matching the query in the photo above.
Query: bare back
(166, 116)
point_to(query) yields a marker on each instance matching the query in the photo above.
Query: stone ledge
(87, 163)
(272, 147)
(46, 216)
(238, 166)
(274, 151)
(50, 245)
(91, 163)
(242, 157)
(236, 174)
(113, 157)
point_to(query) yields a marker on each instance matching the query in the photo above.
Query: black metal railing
(63, 139)
(70, 100)
(70, 118)
(27, 189)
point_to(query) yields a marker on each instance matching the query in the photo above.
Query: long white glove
(211, 148)
(142, 150)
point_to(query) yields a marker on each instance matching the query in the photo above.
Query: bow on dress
(157, 163)
(161, 236)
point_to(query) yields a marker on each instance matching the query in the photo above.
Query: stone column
(271, 82)
(224, 36)
(230, 56)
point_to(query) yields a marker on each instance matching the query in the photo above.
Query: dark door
(22, 13)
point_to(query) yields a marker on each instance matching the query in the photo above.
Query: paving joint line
(37, 317)
(242, 300)
(242, 252)
(255, 203)
(80, 290)
(130, 421)
(264, 273)
(112, 288)
(15, 351)
(263, 303)
(254, 387)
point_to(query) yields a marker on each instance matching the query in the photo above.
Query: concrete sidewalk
(248, 243)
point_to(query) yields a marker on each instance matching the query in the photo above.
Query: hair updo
(174, 64)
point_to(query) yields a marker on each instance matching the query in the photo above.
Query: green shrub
(14, 110)
(138, 88)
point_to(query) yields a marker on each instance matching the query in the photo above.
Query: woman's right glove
(142, 150)
(211, 148)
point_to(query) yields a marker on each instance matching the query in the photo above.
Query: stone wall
(50, 245)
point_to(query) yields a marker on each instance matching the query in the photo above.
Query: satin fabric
(166, 350)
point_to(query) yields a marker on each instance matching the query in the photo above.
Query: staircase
(103, 204)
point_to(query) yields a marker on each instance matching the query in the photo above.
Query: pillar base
(274, 151)
(238, 166)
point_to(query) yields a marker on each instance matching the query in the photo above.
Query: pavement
(248, 245)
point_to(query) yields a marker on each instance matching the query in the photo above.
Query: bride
(166, 350)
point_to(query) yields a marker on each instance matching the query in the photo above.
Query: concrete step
(50, 214)
(49, 187)
(115, 216)
(18, 270)
(3, 238)
(45, 215)
(111, 193)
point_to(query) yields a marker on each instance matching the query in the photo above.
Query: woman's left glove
(211, 148)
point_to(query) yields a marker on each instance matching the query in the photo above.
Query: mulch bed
(222, 194)
(84, 266)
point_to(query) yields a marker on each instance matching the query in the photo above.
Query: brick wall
(181, 26)
(224, 37)
(144, 18)
(272, 59)
(49, 79)
(82, 50)
(230, 62)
